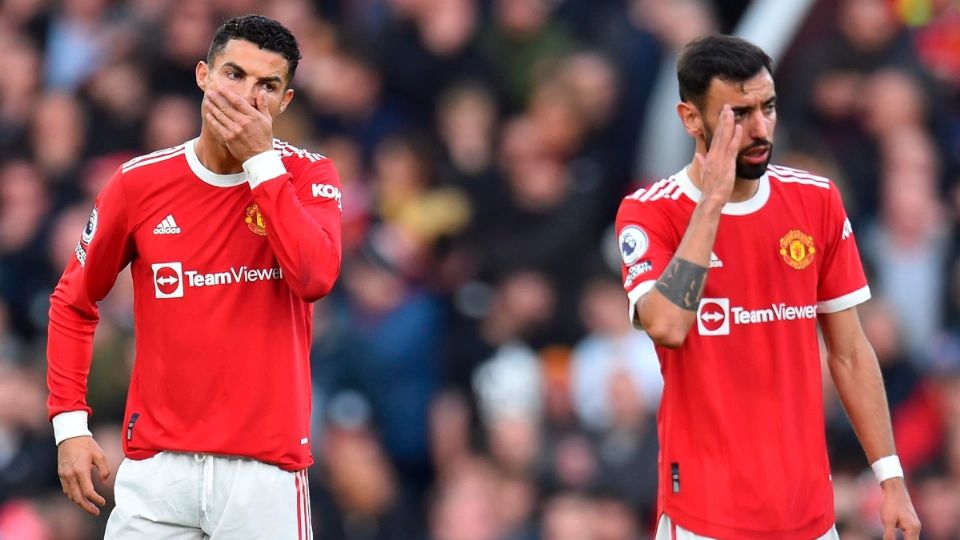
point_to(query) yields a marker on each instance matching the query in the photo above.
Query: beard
(748, 171)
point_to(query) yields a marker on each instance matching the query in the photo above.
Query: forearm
(69, 353)
(306, 242)
(669, 309)
(860, 386)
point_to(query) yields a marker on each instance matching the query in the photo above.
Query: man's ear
(287, 97)
(692, 119)
(202, 71)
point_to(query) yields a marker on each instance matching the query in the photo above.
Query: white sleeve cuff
(857, 297)
(68, 425)
(634, 296)
(262, 167)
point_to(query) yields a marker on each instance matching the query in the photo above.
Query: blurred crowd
(475, 374)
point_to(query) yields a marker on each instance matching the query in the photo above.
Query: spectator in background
(20, 60)
(78, 42)
(613, 348)
(908, 243)
(521, 46)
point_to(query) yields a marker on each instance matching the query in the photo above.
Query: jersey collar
(741, 208)
(208, 176)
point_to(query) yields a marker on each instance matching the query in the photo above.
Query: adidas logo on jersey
(715, 261)
(167, 226)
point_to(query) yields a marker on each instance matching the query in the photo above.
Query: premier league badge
(633, 244)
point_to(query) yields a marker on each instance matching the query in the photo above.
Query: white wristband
(68, 425)
(262, 167)
(887, 468)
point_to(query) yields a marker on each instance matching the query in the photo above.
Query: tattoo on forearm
(682, 283)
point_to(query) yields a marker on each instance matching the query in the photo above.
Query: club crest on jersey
(797, 249)
(633, 244)
(255, 220)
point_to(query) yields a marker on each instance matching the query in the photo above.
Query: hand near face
(718, 168)
(245, 131)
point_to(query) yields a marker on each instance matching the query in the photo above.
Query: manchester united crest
(255, 221)
(797, 249)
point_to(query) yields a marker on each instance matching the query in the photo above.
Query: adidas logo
(167, 226)
(715, 261)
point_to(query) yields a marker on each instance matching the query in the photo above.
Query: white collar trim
(741, 208)
(208, 176)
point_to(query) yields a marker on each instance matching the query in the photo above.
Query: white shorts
(667, 530)
(198, 496)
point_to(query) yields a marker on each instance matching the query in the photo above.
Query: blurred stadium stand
(475, 378)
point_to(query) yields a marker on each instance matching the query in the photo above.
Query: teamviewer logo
(168, 280)
(713, 317)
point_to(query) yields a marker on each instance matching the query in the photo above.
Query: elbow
(311, 288)
(665, 333)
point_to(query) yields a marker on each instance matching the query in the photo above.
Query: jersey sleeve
(842, 283)
(105, 247)
(646, 243)
(302, 207)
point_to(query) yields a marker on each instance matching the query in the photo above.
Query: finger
(87, 490)
(911, 531)
(720, 134)
(889, 532)
(734, 147)
(75, 494)
(240, 105)
(223, 105)
(262, 104)
(100, 461)
(217, 120)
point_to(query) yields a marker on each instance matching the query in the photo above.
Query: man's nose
(757, 127)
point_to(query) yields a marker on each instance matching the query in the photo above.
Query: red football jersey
(225, 268)
(743, 450)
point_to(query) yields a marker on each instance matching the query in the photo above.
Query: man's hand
(896, 511)
(718, 169)
(75, 461)
(246, 131)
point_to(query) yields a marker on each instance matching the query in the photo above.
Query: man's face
(249, 72)
(754, 107)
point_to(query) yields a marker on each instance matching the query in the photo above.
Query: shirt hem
(701, 527)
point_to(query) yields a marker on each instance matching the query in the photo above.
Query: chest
(211, 229)
(768, 257)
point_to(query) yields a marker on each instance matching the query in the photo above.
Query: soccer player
(230, 237)
(728, 265)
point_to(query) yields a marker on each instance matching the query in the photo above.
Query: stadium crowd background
(476, 376)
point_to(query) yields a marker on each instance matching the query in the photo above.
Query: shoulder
(290, 154)
(153, 160)
(799, 180)
(658, 198)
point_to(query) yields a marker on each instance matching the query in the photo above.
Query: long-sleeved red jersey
(225, 268)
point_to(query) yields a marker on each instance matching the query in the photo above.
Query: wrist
(70, 424)
(263, 166)
(887, 468)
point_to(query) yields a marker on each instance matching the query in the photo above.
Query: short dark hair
(263, 32)
(727, 58)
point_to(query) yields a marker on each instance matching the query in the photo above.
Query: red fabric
(223, 314)
(742, 413)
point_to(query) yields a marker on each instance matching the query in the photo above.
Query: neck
(743, 188)
(214, 155)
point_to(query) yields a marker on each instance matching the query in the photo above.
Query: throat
(744, 190)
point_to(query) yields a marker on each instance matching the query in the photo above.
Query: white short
(667, 530)
(197, 496)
